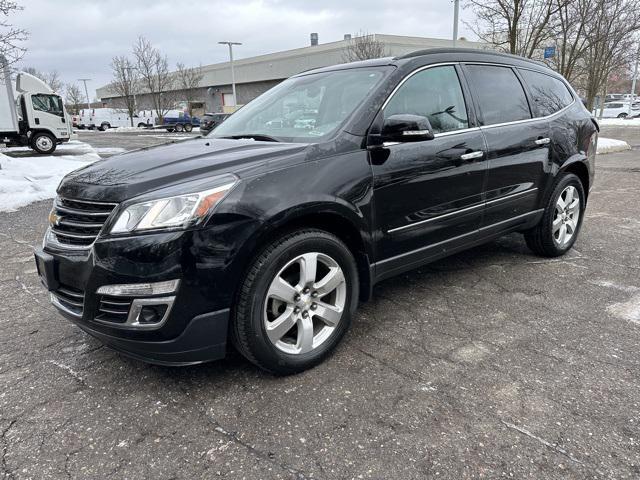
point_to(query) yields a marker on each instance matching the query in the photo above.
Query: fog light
(151, 313)
(140, 289)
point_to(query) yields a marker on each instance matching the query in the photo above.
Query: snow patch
(629, 310)
(608, 145)
(110, 150)
(27, 179)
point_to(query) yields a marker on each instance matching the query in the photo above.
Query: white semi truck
(36, 118)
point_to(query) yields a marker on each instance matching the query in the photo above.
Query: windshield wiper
(256, 136)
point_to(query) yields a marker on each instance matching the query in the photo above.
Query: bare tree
(520, 27)
(188, 79)
(611, 43)
(11, 37)
(50, 78)
(363, 46)
(74, 97)
(571, 39)
(124, 84)
(153, 69)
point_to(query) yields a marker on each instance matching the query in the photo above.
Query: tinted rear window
(500, 95)
(549, 94)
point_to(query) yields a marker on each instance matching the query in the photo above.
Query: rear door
(517, 143)
(429, 192)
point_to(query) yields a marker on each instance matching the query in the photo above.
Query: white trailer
(36, 117)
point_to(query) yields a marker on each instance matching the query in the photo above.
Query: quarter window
(500, 95)
(549, 94)
(434, 93)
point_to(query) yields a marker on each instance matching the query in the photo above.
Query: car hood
(131, 174)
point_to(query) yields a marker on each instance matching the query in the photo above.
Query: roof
(284, 64)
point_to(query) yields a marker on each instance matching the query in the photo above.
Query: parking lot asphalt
(491, 363)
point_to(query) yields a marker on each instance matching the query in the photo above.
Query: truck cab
(35, 118)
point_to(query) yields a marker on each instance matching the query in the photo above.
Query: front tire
(188, 127)
(43, 143)
(558, 230)
(295, 303)
(179, 127)
(622, 115)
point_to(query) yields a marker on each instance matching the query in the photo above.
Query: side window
(48, 103)
(500, 95)
(434, 93)
(549, 94)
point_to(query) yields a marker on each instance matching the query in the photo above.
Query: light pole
(86, 92)
(456, 12)
(233, 79)
(133, 87)
(633, 82)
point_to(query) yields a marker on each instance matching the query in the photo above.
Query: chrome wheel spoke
(560, 204)
(282, 290)
(562, 234)
(329, 282)
(308, 268)
(328, 313)
(281, 325)
(557, 223)
(305, 335)
(571, 225)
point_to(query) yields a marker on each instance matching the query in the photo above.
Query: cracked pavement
(490, 363)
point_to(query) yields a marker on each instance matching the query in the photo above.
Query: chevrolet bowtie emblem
(54, 219)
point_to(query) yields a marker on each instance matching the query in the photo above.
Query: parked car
(209, 121)
(619, 110)
(271, 232)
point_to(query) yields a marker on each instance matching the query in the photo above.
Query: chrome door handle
(472, 155)
(543, 141)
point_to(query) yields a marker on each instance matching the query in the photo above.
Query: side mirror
(406, 128)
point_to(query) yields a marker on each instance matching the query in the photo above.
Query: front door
(46, 112)
(428, 193)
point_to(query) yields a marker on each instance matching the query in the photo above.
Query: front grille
(70, 298)
(76, 223)
(113, 309)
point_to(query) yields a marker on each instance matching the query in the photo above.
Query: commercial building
(255, 75)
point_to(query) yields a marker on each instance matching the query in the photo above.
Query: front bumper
(195, 329)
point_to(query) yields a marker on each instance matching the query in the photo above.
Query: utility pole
(133, 87)
(85, 80)
(456, 12)
(233, 79)
(633, 81)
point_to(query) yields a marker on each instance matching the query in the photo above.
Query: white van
(105, 118)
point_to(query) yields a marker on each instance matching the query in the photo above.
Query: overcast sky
(78, 38)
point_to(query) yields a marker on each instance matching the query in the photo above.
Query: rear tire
(104, 127)
(43, 143)
(622, 115)
(142, 125)
(295, 302)
(188, 127)
(562, 218)
(179, 127)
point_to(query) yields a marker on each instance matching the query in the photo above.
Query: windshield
(303, 109)
(48, 103)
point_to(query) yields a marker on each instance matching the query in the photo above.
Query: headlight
(178, 211)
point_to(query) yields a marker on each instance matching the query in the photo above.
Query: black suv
(271, 229)
(209, 121)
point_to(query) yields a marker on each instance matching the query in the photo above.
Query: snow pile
(608, 145)
(620, 122)
(31, 177)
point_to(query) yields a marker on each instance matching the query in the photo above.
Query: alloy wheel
(567, 215)
(305, 303)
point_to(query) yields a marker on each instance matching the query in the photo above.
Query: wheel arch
(333, 218)
(579, 168)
